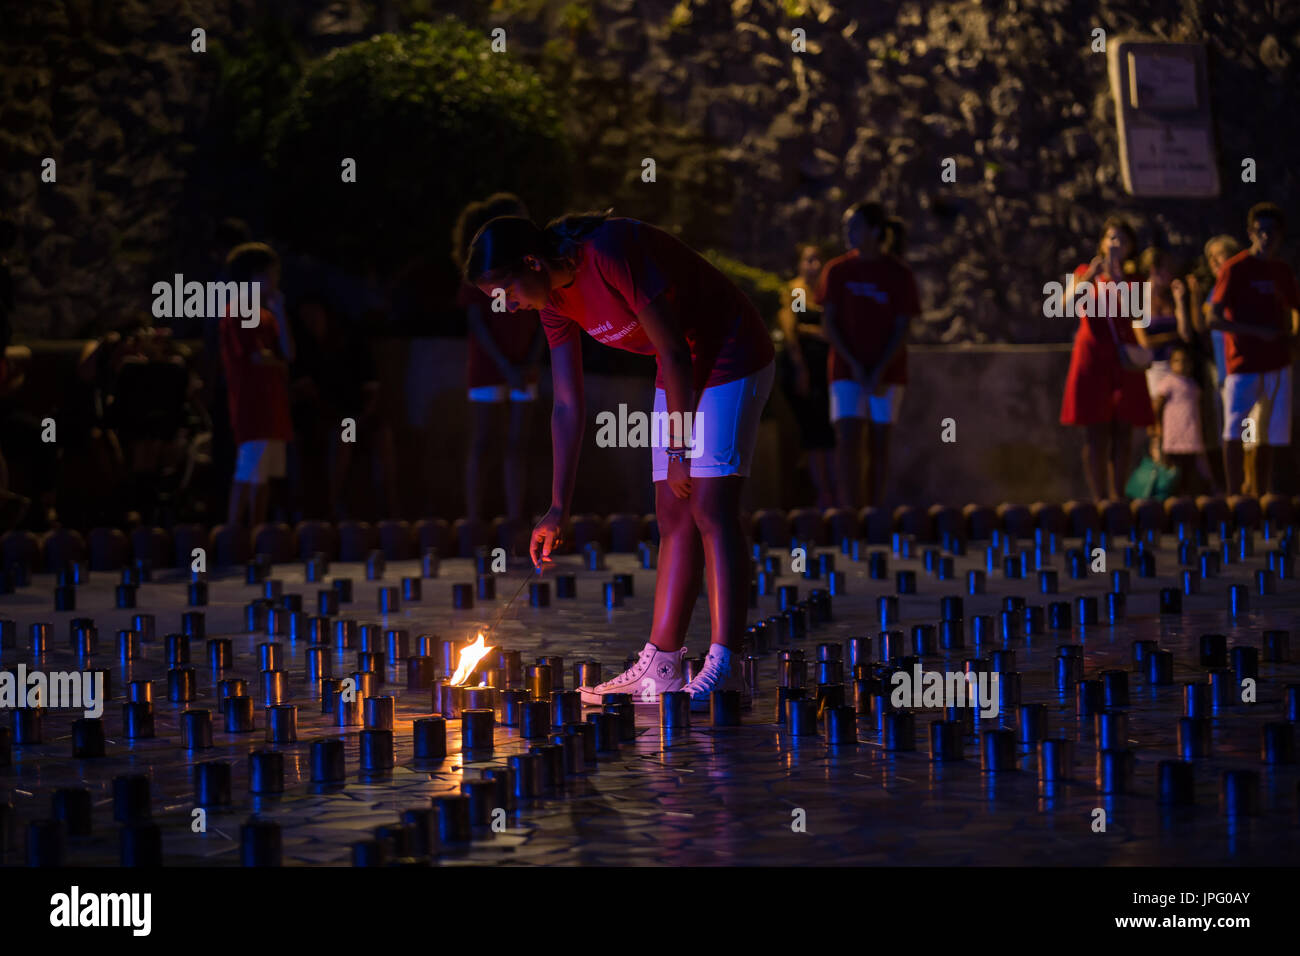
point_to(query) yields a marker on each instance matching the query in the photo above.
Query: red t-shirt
(1260, 292)
(868, 296)
(623, 266)
(258, 394)
(513, 334)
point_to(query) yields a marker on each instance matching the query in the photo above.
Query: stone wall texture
(757, 147)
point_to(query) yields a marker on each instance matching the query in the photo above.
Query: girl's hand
(1179, 291)
(546, 537)
(679, 478)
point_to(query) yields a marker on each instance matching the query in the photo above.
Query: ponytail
(565, 234)
(500, 246)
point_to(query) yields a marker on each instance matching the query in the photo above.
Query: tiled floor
(712, 796)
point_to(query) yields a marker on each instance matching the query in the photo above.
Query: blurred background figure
(505, 353)
(1105, 393)
(1256, 304)
(256, 362)
(335, 380)
(870, 297)
(804, 371)
(13, 363)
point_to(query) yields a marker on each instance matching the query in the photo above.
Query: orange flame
(469, 659)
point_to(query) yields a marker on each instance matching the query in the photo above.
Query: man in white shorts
(1255, 304)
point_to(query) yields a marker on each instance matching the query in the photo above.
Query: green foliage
(765, 289)
(253, 83)
(434, 120)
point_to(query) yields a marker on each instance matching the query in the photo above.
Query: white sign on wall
(1162, 111)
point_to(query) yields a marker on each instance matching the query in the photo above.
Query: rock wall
(757, 147)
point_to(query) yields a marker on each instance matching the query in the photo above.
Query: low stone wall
(1004, 402)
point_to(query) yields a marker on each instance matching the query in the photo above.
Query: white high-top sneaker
(721, 671)
(655, 672)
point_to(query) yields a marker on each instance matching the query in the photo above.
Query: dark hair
(1266, 210)
(500, 246)
(892, 232)
(474, 216)
(1122, 224)
(250, 259)
(1180, 346)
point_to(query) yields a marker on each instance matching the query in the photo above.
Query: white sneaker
(655, 672)
(716, 674)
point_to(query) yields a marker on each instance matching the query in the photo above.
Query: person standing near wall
(1256, 304)
(1105, 393)
(869, 298)
(803, 375)
(504, 357)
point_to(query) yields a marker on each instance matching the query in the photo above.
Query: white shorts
(501, 393)
(1264, 397)
(724, 430)
(850, 400)
(257, 462)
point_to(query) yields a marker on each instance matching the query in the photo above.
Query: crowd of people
(1206, 374)
(151, 431)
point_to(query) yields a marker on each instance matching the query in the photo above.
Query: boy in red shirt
(256, 360)
(1254, 304)
(869, 297)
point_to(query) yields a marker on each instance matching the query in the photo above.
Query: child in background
(1167, 326)
(1176, 400)
(256, 361)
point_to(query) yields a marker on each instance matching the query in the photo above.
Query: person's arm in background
(1157, 430)
(1186, 328)
(908, 305)
(275, 303)
(478, 328)
(568, 420)
(1224, 292)
(830, 322)
(897, 338)
(790, 329)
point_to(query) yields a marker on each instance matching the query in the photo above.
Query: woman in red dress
(1105, 392)
(633, 286)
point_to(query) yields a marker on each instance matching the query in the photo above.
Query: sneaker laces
(626, 675)
(710, 675)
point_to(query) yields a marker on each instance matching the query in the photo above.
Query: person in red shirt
(869, 297)
(504, 354)
(1254, 305)
(633, 286)
(1105, 392)
(256, 361)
